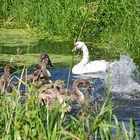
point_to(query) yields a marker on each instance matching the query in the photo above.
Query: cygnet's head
(78, 45)
(44, 59)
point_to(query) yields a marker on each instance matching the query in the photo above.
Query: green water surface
(21, 47)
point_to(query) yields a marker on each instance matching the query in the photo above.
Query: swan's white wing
(91, 67)
(95, 66)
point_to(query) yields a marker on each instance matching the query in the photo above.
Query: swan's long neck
(7, 71)
(85, 55)
(44, 70)
(78, 92)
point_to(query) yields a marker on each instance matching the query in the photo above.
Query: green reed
(26, 118)
(29, 120)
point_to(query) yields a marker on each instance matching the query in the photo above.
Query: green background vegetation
(114, 24)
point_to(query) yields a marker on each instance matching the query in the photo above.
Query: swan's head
(84, 82)
(78, 45)
(60, 86)
(7, 70)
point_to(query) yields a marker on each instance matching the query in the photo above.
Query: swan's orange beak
(74, 49)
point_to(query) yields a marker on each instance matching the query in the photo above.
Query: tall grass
(26, 118)
(113, 24)
(29, 120)
(118, 24)
(57, 17)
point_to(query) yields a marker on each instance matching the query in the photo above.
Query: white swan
(85, 66)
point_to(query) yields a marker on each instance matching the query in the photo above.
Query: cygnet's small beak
(74, 49)
(89, 90)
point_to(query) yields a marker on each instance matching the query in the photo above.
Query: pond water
(127, 100)
(124, 77)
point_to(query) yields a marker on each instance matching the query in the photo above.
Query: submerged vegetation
(112, 24)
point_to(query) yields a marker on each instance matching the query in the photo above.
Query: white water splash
(122, 75)
(122, 79)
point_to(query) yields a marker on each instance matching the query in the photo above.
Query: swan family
(85, 66)
(58, 90)
(49, 90)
